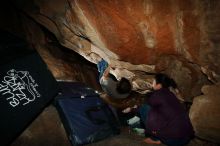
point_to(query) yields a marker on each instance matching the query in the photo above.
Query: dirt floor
(125, 139)
(47, 130)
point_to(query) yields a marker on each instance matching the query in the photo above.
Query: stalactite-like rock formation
(175, 37)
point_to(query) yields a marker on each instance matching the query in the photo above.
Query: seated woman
(164, 117)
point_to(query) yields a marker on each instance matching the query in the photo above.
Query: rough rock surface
(135, 36)
(205, 115)
(180, 38)
(65, 64)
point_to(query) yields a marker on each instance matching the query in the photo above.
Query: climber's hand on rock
(127, 110)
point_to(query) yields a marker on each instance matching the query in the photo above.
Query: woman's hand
(154, 132)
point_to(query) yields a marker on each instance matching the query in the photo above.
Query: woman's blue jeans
(144, 110)
(102, 65)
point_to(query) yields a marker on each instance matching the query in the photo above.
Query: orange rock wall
(150, 32)
(145, 29)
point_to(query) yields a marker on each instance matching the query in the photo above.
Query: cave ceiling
(139, 37)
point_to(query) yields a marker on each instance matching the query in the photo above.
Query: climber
(110, 85)
(164, 117)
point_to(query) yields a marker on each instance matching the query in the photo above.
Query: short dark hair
(123, 86)
(165, 81)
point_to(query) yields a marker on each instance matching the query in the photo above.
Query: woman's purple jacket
(167, 116)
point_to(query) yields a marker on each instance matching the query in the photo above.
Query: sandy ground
(47, 130)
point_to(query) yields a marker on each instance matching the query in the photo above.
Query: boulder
(205, 115)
